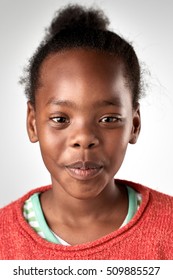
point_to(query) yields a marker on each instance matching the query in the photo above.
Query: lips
(84, 170)
(84, 165)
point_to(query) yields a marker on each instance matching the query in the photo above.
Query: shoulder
(13, 226)
(156, 203)
(7, 225)
(6, 212)
(11, 213)
(145, 190)
(162, 201)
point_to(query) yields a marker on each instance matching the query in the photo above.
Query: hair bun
(75, 16)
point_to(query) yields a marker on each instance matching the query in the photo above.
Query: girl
(83, 91)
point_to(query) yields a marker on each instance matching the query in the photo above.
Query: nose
(84, 138)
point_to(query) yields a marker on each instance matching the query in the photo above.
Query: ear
(136, 125)
(31, 123)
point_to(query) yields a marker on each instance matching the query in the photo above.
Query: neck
(58, 205)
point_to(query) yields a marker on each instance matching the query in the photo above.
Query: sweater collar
(114, 236)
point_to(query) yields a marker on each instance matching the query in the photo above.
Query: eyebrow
(69, 103)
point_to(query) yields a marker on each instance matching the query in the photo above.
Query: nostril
(78, 145)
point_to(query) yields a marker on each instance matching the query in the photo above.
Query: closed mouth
(84, 165)
(84, 170)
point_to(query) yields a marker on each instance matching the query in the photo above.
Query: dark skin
(83, 112)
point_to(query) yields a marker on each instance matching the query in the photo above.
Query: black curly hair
(78, 27)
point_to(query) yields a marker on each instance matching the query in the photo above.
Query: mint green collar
(132, 208)
(49, 236)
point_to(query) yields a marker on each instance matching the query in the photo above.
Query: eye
(110, 119)
(59, 120)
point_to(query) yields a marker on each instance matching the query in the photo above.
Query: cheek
(52, 145)
(117, 140)
(115, 147)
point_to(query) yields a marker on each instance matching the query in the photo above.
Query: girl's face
(83, 120)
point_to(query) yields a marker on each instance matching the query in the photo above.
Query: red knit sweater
(149, 235)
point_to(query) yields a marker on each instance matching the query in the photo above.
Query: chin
(80, 189)
(85, 191)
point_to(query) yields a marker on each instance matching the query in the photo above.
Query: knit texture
(149, 235)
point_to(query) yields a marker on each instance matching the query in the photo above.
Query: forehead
(75, 72)
(81, 62)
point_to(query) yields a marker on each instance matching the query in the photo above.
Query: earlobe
(31, 123)
(136, 125)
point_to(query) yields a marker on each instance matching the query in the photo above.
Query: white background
(149, 25)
